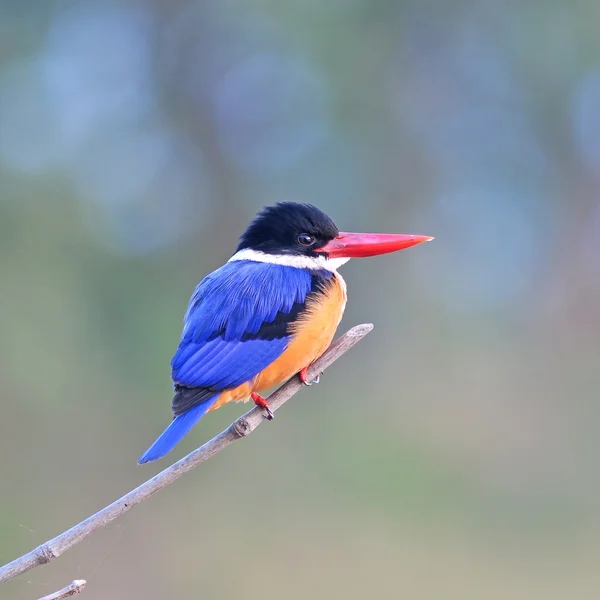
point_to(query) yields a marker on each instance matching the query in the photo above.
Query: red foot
(303, 375)
(260, 401)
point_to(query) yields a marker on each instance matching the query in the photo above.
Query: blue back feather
(241, 296)
(230, 303)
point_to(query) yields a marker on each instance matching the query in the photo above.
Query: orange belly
(311, 335)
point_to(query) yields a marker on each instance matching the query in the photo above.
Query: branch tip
(73, 588)
(361, 330)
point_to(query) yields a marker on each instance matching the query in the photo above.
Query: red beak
(360, 245)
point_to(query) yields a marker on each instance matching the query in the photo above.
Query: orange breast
(312, 334)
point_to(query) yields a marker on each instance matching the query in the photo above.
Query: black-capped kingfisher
(266, 314)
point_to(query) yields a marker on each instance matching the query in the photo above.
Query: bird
(266, 315)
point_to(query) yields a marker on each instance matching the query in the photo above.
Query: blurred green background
(451, 454)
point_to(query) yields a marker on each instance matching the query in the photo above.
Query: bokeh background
(454, 452)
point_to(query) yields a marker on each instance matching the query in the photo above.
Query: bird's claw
(260, 401)
(304, 379)
(315, 380)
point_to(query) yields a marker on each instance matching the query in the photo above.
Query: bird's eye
(305, 239)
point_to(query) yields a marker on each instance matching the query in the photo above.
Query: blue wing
(237, 323)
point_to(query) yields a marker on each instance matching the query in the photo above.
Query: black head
(289, 228)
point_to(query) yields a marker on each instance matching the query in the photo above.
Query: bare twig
(240, 428)
(73, 588)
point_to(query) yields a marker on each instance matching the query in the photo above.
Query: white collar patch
(290, 260)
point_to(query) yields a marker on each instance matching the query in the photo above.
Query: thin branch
(240, 428)
(73, 588)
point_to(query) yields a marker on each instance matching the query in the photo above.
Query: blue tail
(177, 429)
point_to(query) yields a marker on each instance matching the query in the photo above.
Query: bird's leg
(260, 401)
(304, 379)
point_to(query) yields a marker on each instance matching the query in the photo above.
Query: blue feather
(176, 430)
(229, 305)
(240, 296)
(219, 364)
